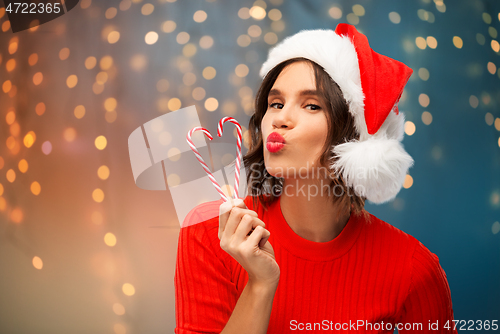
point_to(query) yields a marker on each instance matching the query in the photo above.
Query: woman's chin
(277, 171)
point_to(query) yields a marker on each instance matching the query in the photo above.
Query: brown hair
(340, 129)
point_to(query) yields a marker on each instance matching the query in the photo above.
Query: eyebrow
(305, 92)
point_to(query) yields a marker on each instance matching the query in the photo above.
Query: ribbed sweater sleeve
(429, 296)
(205, 296)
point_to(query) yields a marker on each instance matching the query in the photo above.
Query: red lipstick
(275, 142)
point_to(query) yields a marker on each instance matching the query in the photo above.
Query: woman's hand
(243, 236)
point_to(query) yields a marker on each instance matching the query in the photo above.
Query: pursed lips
(275, 142)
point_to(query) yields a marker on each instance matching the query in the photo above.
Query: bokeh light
(79, 111)
(200, 16)
(69, 134)
(409, 128)
(37, 262)
(394, 17)
(211, 104)
(426, 118)
(37, 78)
(473, 101)
(100, 142)
(209, 72)
(98, 195)
(90, 63)
(408, 182)
(23, 166)
(17, 215)
(423, 100)
(128, 289)
(35, 188)
(119, 309)
(46, 147)
(71, 81)
(423, 73)
(257, 12)
(421, 42)
(40, 108)
(431, 42)
(147, 9)
(29, 139)
(151, 37)
(110, 239)
(103, 172)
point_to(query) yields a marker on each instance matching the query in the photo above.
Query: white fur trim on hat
(375, 168)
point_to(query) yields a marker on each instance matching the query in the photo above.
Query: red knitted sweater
(368, 279)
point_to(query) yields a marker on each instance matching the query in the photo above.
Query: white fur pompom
(375, 168)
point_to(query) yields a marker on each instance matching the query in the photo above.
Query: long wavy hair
(265, 187)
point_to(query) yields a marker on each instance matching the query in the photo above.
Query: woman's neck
(310, 212)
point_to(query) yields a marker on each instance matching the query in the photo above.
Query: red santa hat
(375, 166)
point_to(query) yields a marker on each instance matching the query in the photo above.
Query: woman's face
(297, 113)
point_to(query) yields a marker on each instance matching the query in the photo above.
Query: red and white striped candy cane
(238, 149)
(202, 162)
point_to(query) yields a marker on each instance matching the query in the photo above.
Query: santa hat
(375, 166)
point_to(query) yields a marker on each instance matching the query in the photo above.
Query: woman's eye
(315, 106)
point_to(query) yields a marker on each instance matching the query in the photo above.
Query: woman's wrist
(262, 288)
(252, 311)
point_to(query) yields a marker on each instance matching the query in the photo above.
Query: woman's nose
(283, 118)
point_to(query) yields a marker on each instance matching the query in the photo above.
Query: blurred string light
(394, 17)
(408, 182)
(426, 15)
(20, 139)
(473, 69)
(458, 42)
(37, 262)
(426, 118)
(110, 239)
(423, 74)
(422, 43)
(128, 289)
(410, 128)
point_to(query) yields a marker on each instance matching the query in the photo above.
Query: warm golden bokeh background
(84, 250)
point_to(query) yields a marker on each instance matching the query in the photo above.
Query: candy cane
(238, 149)
(200, 159)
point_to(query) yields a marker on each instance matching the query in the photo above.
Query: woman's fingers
(265, 236)
(250, 249)
(247, 223)
(259, 236)
(225, 210)
(234, 219)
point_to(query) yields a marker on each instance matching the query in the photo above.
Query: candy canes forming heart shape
(204, 165)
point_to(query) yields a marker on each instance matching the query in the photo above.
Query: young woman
(300, 252)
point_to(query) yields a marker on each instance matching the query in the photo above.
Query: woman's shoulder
(204, 213)
(394, 237)
(380, 227)
(389, 239)
(199, 228)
